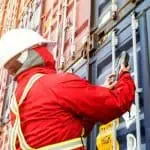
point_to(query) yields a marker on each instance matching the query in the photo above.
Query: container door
(127, 123)
(127, 134)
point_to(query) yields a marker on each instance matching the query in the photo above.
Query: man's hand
(110, 81)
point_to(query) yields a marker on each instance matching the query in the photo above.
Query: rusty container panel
(31, 16)
(5, 97)
(68, 24)
(47, 9)
(72, 49)
(12, 12)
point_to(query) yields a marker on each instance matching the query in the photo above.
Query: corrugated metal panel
(106, 10)
(14, 12)
(148, 30)
(106, 17)
(104, 66)
(108, 13)
(68, 23)
(73, 29)
(32, 16)
(12, 15)
(145, 75)
(6, 88)
(3, 83)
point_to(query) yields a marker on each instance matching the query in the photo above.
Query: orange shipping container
(68, 23)
(13, 14)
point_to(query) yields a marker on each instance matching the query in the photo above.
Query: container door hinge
(114, 11)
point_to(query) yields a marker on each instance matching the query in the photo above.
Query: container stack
(90, 37)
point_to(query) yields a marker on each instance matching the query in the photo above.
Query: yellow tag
(106, 142)
(105, 137)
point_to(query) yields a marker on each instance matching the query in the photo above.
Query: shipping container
(129, 31)
(20, 13)
(14, 14)
(68, 23)
(6, 89)
(89, 37)
(31, 17)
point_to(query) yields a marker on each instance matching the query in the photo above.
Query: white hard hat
(16, 41)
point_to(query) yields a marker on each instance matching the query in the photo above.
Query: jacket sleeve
(95, 102)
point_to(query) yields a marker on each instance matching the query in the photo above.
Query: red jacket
(59, 105)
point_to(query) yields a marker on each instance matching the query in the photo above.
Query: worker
(56, 111)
